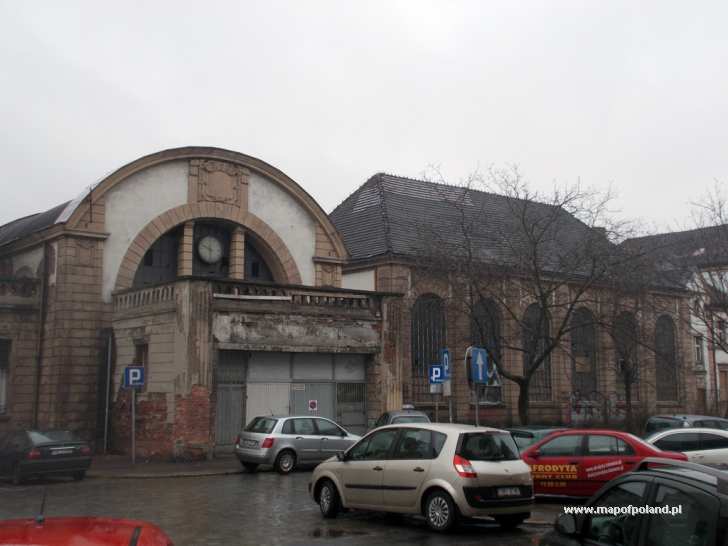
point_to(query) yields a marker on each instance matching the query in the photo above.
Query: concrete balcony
(19, 293)
(229, 295)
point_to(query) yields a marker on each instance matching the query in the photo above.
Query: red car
(81, 530)
(579, 462)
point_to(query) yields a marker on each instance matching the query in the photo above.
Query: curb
(144, 476)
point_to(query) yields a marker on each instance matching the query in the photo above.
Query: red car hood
(672, 455)
(81, 531)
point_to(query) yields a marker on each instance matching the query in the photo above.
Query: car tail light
(268, 442)
(34, 454)
(85, 450)
(463, 467)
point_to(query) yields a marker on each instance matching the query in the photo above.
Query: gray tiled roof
(392, 215)
(17, 229)
(701, 247)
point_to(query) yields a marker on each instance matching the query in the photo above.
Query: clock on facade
(210, 249)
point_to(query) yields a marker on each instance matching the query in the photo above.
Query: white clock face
(210, 249)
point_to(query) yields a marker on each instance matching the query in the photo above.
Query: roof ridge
(681, 232)
(11, 222)
(384, 212)
(352, 194)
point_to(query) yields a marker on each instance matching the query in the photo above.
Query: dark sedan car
(27, 453)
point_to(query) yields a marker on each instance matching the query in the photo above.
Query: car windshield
(410, 419)
(263, 425)
(40, 437)
(488, 446)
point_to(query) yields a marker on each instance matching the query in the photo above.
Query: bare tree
(523, 259)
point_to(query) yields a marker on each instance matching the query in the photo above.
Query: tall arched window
(625, 335)
(583, 352)
(665, 360)
(535, 336)
(428, 333)
(485, 327)
(485, 331)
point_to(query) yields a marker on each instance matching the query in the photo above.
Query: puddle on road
(334, 533)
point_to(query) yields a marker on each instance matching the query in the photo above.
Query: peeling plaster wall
(288, 219)
(30, 259)
(133, 204)
(296, 332)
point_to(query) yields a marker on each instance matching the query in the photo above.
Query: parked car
(399, 417)
(700, 491)
(529, 435)
(578, 462)
(30, 453)
(89, 531)
(442, 471)
(286, 442)
(656, 423)
(701, 445)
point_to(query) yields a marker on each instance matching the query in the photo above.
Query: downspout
(41, 334)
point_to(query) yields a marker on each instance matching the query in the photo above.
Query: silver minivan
(442, 471)
(286, 442)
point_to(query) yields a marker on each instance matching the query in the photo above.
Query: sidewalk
(119, 466)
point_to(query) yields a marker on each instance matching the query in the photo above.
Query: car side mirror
(566, 524)
(536, 454)
(340, 456)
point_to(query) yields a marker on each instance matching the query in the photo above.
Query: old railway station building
(240, 296)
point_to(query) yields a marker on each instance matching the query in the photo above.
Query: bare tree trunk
(628, 417)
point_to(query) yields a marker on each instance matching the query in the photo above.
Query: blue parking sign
(436, 374)
(445, 361)
(133, 376)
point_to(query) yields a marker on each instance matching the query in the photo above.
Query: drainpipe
(41, 333)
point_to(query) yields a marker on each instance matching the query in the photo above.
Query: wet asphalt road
(262, 508)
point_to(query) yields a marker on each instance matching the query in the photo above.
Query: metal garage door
(267, 399)
(313, 399)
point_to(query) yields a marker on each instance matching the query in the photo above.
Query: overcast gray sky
(632, 94)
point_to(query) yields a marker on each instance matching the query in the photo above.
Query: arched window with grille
(665, 359)
(485, 331)
(428, 333)
(583, 352)
(535, 336)
(625, 333)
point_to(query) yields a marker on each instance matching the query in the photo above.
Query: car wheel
(285, 462)
(17, 475)
(329, 501)
(78, 476)
(511, 521)
(250, 467)
(440, 511)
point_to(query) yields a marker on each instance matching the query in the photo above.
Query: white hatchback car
(441, 471)
(701, 445)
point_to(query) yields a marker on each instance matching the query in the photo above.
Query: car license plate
(509, 491)
(250, 443)
(62, 451)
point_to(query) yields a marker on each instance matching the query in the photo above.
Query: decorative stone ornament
(221, 182)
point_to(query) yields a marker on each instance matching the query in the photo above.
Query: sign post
(133, 379)
(447, 385)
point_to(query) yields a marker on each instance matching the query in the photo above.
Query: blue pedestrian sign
(436, 374)
(445, 361)
(479, 365)
(133, 377)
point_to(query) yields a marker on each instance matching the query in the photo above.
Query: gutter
(41, 333)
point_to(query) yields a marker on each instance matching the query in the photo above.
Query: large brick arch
(271, 246)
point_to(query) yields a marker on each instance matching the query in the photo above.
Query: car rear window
(488, 446)
(409, 419)
(40, 437)
(264, 425)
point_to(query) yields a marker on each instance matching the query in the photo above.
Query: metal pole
(437, 408)
(449, 406)
(133, 425)
(477, 405)
(108, 389)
